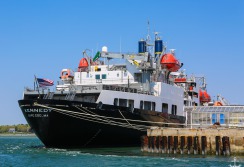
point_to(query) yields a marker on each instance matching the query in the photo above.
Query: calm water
(30, 152)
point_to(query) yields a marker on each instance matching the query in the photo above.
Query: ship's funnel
(158, 46)
(142, 47)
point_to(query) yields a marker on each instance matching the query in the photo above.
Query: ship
(100, 104)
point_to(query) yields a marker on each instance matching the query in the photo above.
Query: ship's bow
(38, 118)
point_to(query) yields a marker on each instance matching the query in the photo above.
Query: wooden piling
(164, 144)
(189, 144)
(226, 145)
(195, 144)
(203, 144)
(194, 141)
(170, 144)
(182, 144)
(218, 144)
(175, 148)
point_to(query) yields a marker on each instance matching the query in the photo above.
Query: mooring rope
(107, 118)
(103, 119)
(92, 118)
(141, 121)
(125, 118)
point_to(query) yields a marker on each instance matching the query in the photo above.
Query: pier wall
(194, 141)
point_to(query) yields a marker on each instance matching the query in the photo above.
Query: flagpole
(37, 85)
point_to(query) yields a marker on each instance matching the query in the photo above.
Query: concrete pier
(211, 141)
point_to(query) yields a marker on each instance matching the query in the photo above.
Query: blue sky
(42, 37)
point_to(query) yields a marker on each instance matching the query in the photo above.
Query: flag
(44, 82)
(98, 54)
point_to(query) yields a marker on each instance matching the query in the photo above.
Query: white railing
(206, 116)
(106, 81)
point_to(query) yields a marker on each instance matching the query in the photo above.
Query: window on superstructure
(165, 107)
(147, 105)
(131, 103)
(138, 77)
(104, 76)
(116, 101)
(141, 104)
(97, 76)
(123, 102)
(153, 106)
(174, 109)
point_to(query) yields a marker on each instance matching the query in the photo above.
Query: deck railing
(206, 116)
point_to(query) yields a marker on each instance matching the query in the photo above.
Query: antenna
(172, 51)
(148, 32)
(120, 45)
(156, 34)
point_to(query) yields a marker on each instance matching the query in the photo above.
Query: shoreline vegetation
(16, 130)
(17, 134)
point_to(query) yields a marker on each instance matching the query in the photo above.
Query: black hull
(67, 124)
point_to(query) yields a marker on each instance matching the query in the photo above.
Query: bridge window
(138, 77)
(104, 76)
(97, 76)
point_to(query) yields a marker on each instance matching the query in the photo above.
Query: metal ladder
(70, 96)
(49, 95)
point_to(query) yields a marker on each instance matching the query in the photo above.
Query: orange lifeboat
(169, 62)
(83, 64)
(218, 103)
(67, 75)
(204, 96)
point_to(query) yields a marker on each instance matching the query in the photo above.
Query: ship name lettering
(38, 110)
